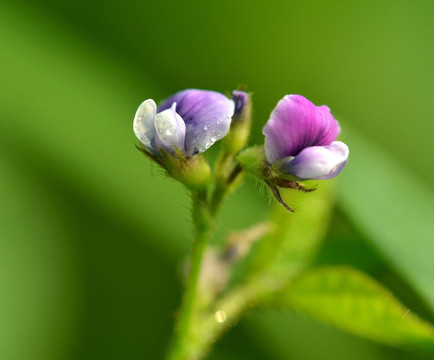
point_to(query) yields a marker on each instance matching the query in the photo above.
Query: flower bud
(185, 125)
(299, 145)
(300, 140)
(239, 132)
(191, 120)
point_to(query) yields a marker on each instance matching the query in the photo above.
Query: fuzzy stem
(227, 311)
(185, 334)
(188, 341)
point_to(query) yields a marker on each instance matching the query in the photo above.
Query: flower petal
(295, 124)
(207, 116)
(143, 124)
(170, 130)
(316, 162)
(240, 98)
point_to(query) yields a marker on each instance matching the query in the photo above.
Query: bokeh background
(92, 236)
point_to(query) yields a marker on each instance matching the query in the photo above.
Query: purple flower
(191, 120)
(300, 140)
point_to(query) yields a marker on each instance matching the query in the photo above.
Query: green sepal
(237, 137)
(149, 154)
(193, 172)
(254, 162)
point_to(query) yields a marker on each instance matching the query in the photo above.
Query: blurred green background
(92, 236)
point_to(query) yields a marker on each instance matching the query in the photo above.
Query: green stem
(225, 175)
(185, 335)
(228, 311)
(225, 314)
(187, 341)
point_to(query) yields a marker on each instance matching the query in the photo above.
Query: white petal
(317, 162)
(144, 120)
(170, 129)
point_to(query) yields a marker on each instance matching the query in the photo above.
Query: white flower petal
(317, 162)
(143, 124)
(170, 129)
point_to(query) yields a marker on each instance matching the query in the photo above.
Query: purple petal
(170, 130)
(207, 116)
(295, 124)
(316, 162)
(240, 98)
(143, 124)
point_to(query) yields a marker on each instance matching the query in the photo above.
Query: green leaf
(297, 236)
(287, 334)
(352, 301)
(393, 209)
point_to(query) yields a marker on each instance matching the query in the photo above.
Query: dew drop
(220, 316)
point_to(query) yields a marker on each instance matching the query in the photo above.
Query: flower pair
(300, 138)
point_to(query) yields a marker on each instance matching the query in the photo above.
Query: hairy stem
(185, 333)
(227, 311)
(188, 341)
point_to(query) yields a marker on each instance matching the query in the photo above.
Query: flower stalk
(189, 340)
(185, 335)
(225, 175)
